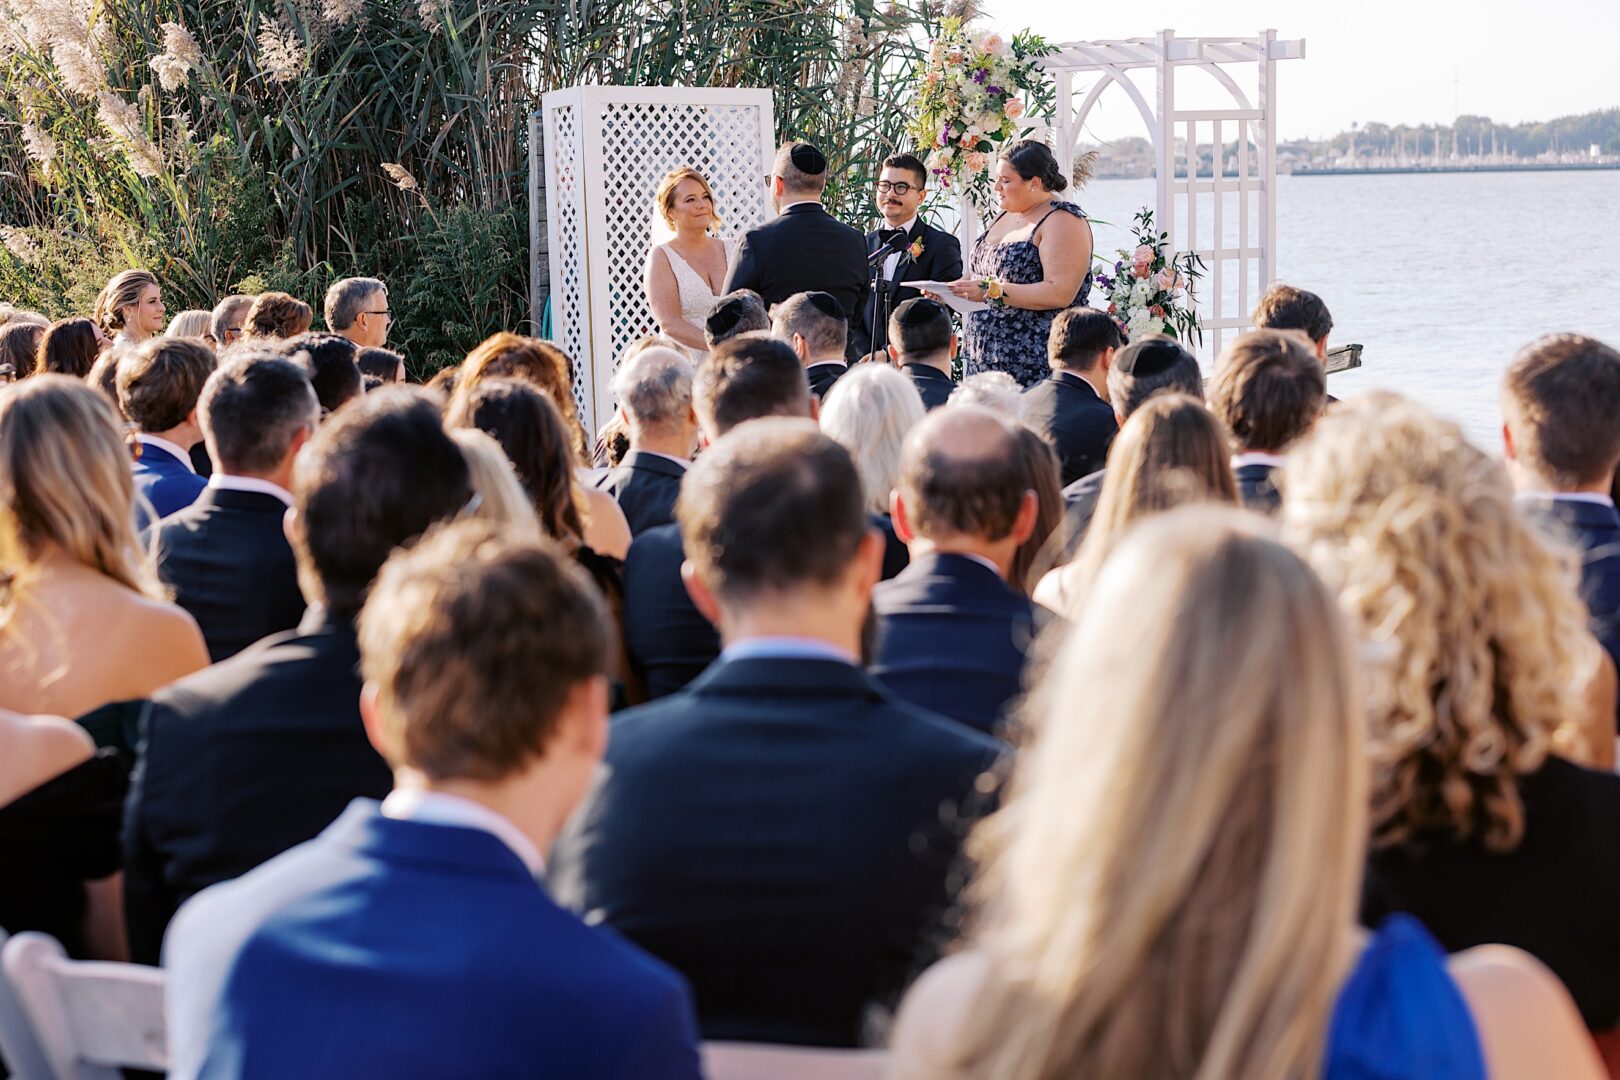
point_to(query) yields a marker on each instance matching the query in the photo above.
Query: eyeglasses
(388, 314)
(899, 187)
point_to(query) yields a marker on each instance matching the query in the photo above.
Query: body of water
(1441, 277)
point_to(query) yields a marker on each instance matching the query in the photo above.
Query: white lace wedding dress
(697, 298)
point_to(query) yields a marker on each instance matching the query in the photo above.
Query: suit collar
(786, 678)
(653, 463)
(948, 564)
(167, 448)
(456, 849)
(808, 207)
(321, 620)
(1069, 378)
(1582, 513)
(234, 499)
(926, 371)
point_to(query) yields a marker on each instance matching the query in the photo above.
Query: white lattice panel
(607, 147)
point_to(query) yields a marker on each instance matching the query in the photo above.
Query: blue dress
(1400, 1016)
(1014, 339)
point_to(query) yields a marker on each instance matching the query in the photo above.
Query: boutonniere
(916, 248)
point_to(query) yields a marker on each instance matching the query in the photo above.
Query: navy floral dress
(1014, 339)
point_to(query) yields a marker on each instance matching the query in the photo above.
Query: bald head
(962, 474)
(654, 388)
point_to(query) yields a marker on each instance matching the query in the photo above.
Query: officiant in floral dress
(912, 250)
(1032, 262)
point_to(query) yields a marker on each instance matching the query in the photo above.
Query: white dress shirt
(892, 263)
(223, 482)
(1255, 457)
(439, 808)
(787, 648)
(169, 448)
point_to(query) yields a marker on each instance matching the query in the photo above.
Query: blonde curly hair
(1479, 635)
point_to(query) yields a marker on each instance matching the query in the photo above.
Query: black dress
(1556, 895)
(1007, 338)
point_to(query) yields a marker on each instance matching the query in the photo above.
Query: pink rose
(1165, 279)
(1142, 256)
(993, 44)
(1156, 311)
(976, 162)
(1113, 309)
(1140, 270)
(1015, 108)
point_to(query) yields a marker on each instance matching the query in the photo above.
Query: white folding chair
(762, 1061)
(18, 1047)
(91, 1018)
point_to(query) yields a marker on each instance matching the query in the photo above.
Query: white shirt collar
(834, 361)
(1256, 457)
(439, 808)
(169, 448)
(682, 462)
(1569, 496)
(787, 648)
(223, 482)
(904, 227)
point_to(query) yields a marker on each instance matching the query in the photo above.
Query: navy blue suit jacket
(668, 639)
(822, 376)
(1594, 530)
(1074, 419)
(783, 833)
(952, 637)
(933, 385)
(646, 487)
(1257, 487)
(407, 949)
(240, 762)
(167, 482)
(803, 249)
(227, 558)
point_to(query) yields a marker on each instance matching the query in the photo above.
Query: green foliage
(237, 145)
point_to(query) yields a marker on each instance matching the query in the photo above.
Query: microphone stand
(876, 260)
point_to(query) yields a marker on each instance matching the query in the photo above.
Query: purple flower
(979, 76)
(994, 90)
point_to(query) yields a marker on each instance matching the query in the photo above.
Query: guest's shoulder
(928, 734)
(935, 1010)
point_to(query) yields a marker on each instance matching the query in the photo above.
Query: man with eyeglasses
(905, 248)
(357, 308)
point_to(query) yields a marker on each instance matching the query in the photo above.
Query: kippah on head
(920, 311)
(807, 159)
(1149, 356)
(724, 318)
(827, 304)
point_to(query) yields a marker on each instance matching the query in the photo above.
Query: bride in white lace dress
(685, 275)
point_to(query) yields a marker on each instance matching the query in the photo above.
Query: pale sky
(1392, 61)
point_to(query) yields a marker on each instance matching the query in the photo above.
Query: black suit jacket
(228, 560)
(941, 260)
(668, 639)
(1257, 487)
(822, 376)
(240, 762)
(783, 834)
(933, 384)
(646, 486)
(951, 637)
(1077, 422)
(803, 249)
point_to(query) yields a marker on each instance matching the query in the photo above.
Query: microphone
(887, 248)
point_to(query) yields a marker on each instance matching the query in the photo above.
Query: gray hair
(654, 387)
(869, 413)
(994, 390)
(232, 309)
(344, 298)
(192, 324)
(824, 334)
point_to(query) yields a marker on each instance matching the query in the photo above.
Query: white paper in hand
(948, 298)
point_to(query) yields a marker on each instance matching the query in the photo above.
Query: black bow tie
(887, 235)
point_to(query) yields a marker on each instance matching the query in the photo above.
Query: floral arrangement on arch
(975, 86)
(1149, 292)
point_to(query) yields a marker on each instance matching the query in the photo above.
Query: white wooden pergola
(1092, 66)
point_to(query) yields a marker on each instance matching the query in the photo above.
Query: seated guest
(869, 414)
(193, 324)
(782, 831)
(158, 385)
(384, 364)
(19, 349)
(262, 751)
(226, 555)
(951, 633)
(654, 392)
(522, 418)
(104, 377)
(434, 948)
(34, 749)
(1268, 390)
(357, 308)
(1170, 890)
(539, 363)
(818, 330)
(1484, 826)
(1152, 365)
(501, 499)
(1047, 544)
(668, 640)
(1172, 451)
(1560, 398)
(70, 347)
(738, 312)
(922, 340)
(994, 390)
(227, 319)
(1071, 407)
(275, 316)
(329, 362)
(130, 309)
(1284, 307)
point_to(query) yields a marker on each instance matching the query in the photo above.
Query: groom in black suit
(912, 250)
(804, 249)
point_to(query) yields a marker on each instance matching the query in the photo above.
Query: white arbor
(1233, 250)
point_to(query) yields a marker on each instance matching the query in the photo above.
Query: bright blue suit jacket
(407, 949)
(168, 483)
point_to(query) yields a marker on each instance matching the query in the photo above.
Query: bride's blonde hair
(665, 198)
(1170, 890)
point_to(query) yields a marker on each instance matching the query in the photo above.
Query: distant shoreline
(1402, 170)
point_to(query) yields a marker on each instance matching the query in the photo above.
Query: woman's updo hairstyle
(1034, 160)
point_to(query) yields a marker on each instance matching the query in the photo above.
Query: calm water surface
(1441, 277)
